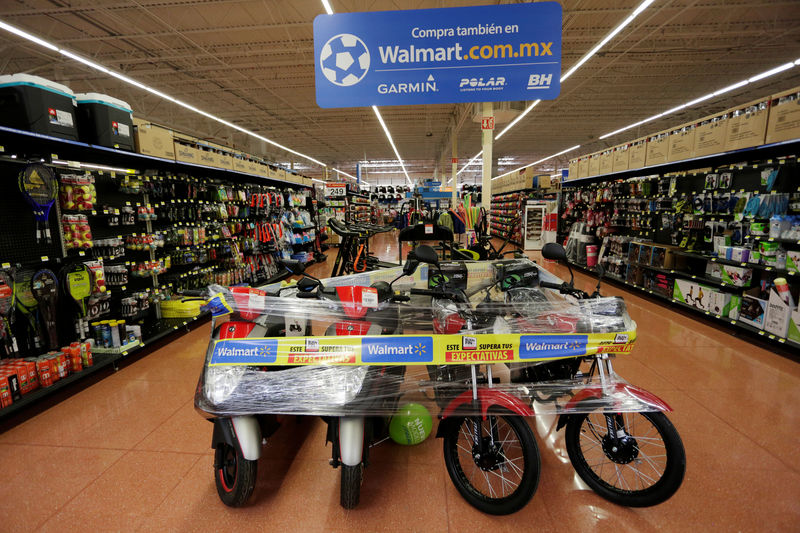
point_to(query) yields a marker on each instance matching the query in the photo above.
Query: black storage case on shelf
(105, 121)
(35, 104)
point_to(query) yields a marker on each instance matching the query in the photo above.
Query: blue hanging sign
(434, 56)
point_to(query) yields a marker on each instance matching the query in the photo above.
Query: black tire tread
(246, 474)
(350, 490)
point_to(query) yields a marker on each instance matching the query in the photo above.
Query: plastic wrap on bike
(351, 350)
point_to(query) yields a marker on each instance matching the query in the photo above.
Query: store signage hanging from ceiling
(431, 56)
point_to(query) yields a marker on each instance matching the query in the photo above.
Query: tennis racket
(7, 303)
(26, 305)
(79, 287)
(44, 287)
(39, 186)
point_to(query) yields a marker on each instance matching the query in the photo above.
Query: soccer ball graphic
(344, 60)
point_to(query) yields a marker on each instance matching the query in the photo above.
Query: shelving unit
(681, 210)
(198, 225)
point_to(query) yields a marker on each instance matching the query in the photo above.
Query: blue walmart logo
(397, 350)
(245, 352)
(551, 346)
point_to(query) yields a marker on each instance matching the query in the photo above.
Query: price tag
(369, 297)
(45, 258)
(428, 229)
(113, 174)
(6, 265)
(53, 156)
(81, 253)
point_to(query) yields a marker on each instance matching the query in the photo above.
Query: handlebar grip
(302, 294)
(548, 285)
(425, 292)
(400, 298)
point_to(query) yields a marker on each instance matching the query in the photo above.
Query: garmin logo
(428, 86)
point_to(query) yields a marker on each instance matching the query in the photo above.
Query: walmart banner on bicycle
(428, 56)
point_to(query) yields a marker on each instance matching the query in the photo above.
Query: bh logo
(344, 60)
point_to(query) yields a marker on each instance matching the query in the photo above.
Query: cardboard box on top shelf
(572, 169)
(681, 142)
(583, 166)
(281, 174)
(254, 167)
(637, 153)
(657, 148)
(240, 163)
(747, 126)
(621, 156)
(606, 161)
(784, 116)
(225, 160)
(208, 156)
(186, 153)
(272, 172)
(307, 182)
(153, 140)
(709, 134)
(594, 164)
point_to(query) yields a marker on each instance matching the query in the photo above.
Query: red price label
(487, 123)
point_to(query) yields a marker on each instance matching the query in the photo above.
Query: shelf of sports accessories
(718, 159)
(18, 142)
(730, 322)
(155, 332)
(79, 151)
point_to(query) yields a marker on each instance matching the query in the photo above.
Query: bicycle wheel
(234, 475)
(644, 468)
(502, 479)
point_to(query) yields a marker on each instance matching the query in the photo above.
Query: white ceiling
(252, 63)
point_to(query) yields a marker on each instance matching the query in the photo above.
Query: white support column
(488, 137)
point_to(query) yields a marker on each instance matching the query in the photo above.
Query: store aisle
(129, 453)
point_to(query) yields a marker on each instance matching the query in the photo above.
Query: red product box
(45, 368)
(11, 381)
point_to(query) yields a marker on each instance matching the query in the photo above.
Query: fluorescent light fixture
(345, 173)
(26, 35)
(144, 87)
(327, 5)
(562, 152)
(606, 39)
(757, 77)
(785, 66)
(391, 142)
(469, 163)
(636, 12)
(520, 117)
(96, 167)
(318, 181)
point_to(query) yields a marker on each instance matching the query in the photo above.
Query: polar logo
(480, 82)
(540, 81)
(344, 60)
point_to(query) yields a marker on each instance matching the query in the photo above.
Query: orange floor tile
(129, 453)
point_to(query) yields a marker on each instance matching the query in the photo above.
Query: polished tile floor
(130, 454)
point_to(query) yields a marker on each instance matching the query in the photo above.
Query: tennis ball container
(39, 105)
(105, 121)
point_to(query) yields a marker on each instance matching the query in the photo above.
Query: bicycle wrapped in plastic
(481, 345)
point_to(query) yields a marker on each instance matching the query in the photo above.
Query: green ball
(411, 424)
